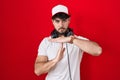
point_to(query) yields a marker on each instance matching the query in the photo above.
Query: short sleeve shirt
(61, 69)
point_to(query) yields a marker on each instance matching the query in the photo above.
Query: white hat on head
(59, 8)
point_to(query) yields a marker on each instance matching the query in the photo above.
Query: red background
(24, 23)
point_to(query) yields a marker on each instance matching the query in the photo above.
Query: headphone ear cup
(54, 35)
(70, 33)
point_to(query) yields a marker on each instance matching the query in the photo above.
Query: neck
(61, 36)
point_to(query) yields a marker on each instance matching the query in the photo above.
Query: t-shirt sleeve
(42, 50)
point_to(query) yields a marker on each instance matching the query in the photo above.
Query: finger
(63, 50)
(51, 40)
(62, 45)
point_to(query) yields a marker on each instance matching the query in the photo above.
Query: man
(60, 54)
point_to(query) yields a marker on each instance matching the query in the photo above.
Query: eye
(57, 21)
(64, 20)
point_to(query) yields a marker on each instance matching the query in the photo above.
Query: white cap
(59, 8)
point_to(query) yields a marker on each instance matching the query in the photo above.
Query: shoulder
(46, 39)
(44, 43)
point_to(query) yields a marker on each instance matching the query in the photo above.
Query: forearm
(44, 67)
(88, 46)
(42, 64)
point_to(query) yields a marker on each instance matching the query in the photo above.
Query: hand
(63, 39)
(60, 53)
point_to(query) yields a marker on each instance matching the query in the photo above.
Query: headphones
(55, 34)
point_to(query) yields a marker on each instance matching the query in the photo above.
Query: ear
(69, 20)
(52, 21)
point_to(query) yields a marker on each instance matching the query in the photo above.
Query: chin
(61, 31)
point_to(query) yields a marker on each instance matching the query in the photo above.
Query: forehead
(60, 19)
(57, 19)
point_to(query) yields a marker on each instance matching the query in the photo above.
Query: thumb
(62, 48)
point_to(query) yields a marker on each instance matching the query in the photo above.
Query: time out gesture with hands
(63, 39)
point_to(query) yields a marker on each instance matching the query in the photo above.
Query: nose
(61, 23)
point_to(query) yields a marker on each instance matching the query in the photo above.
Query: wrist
(72, 39)
(55, 60)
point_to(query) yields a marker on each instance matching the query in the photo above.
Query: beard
(61, 31)
(65, 32)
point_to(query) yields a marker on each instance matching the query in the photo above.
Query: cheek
(55, 26)
(66, 25)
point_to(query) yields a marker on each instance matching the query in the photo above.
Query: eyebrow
(57, 20)
(60, 19)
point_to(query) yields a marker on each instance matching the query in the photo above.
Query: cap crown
(59, 8)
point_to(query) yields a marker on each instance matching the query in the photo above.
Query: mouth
(61, 28)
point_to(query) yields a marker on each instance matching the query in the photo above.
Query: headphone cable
(68, 62)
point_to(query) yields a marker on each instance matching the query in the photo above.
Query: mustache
(61, 28)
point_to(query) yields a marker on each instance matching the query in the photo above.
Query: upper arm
(41, 58)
